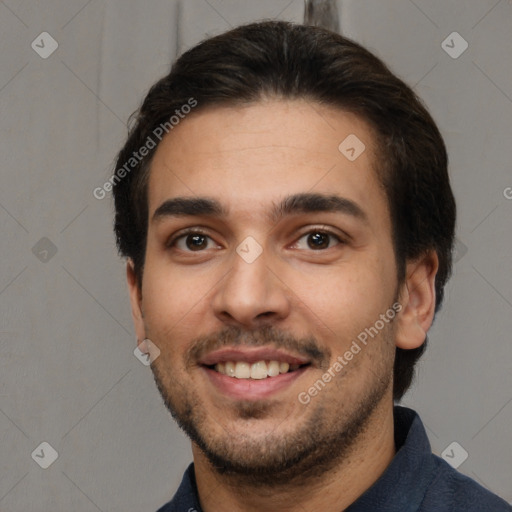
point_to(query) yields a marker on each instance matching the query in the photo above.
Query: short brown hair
(284, 60)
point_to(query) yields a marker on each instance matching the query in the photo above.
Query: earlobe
(135, 291)
(418, 300)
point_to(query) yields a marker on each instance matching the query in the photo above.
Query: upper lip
(251, 355)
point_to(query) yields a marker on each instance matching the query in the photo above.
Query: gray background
(68, 373)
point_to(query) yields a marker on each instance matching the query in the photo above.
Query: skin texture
(312, 302)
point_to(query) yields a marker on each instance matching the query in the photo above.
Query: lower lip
(252, 389)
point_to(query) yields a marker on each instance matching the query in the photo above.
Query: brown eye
(195, 242)
(319, 240)
(190, 241)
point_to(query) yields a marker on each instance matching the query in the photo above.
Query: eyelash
(197, 231)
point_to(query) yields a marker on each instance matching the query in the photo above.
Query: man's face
(295, 289)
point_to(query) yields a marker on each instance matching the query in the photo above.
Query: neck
(335, 490)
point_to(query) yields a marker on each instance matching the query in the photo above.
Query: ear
(418, 300)
(134, 288)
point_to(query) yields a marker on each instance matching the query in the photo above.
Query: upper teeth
(259, 370)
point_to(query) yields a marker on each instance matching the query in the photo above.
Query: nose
(252, 294)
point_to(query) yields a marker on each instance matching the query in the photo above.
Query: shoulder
(452, 491)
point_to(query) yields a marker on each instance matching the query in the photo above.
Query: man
(284, 205)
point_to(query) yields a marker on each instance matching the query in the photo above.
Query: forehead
(250, 156)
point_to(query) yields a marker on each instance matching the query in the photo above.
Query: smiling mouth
(256, 371)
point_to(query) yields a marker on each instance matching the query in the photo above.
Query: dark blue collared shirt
(415, 481)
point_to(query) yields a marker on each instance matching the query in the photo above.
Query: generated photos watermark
(150, 143)
(304, 397)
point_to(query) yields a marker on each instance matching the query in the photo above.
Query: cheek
(167, 287)
(349, 291)
(341, 302)
(168, 301)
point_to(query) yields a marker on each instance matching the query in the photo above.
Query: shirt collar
(401, 487)
(404, 483)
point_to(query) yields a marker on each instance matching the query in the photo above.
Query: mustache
(232, 336)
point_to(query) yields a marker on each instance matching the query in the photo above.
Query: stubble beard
(324, 439)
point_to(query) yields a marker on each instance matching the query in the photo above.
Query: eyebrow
(290, 205)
